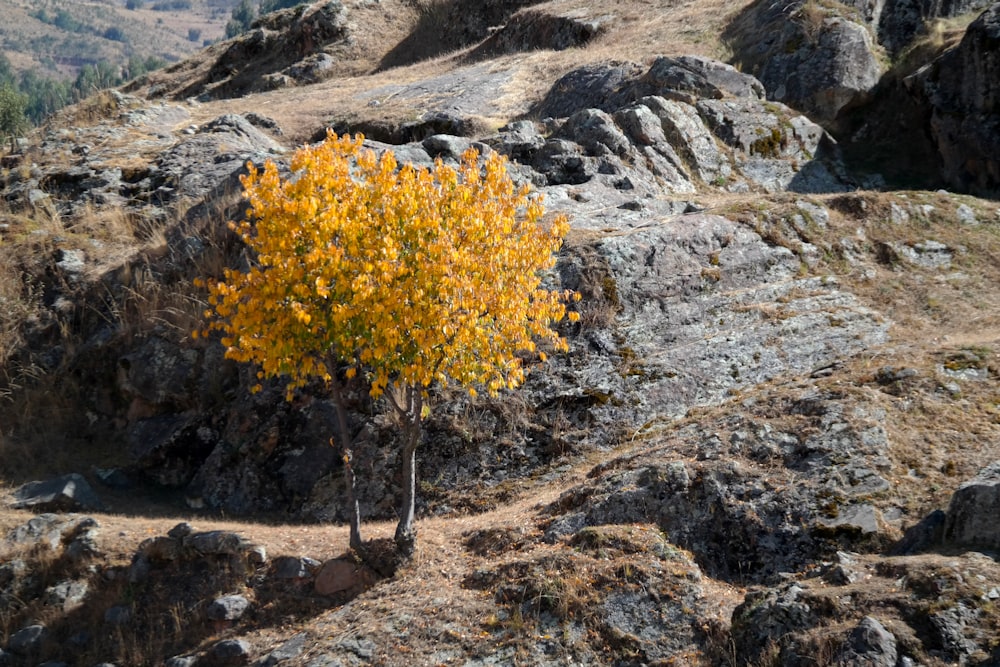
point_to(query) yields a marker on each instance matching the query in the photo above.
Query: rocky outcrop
(899, 21)
(290, 47)
(962, 96)
(812, 58)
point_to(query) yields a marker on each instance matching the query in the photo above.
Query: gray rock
(67, 595)
(159, 372)
(685, 131)
(604, 86)
(291, 649)
(27, 641)
(863, 518)
(953, 625)
(217, 543)
(690, 78)
(868, 645)
(62, 494)
(227, 608)
(971, 517)
(227, 653)
(821, 65)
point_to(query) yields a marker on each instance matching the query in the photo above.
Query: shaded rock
(868, 645)
(971, 517)
(953, 625)
(180, 661)
(590, 87)
(684, 130)
(27, 641)
(531, 29)
(220, 150)
(226, 653)
(925, 535)
(343, 576)
(160, 372)
(962, 92)
(691, 78)
(227, 608)
(290, 567)
(900, 21)
(292, 648)
(170, 448)
(62, 494)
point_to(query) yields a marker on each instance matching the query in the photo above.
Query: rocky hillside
(774, 439)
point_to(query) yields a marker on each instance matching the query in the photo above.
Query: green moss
(770, 144)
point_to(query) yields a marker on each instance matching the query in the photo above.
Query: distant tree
(404, 276)
(194, 34)
(242, 18)
(115, 34)
(13, 121)
(132, 5)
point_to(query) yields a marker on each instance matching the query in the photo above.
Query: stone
(291, 567)
(227, 608)
(26, 641)
(344, 577)
(972, 512)
(863, 519)
(217, 543)
(227, 653)
(67, 595)
(291, 649)
(869, 644)
(62, 494)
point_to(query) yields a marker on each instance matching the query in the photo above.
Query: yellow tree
(409, 276)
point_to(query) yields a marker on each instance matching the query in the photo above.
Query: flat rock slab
(63, 494)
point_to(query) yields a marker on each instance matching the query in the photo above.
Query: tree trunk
(406, 534)
(346, 454)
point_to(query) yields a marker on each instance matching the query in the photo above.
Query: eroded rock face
(808, 57)
(962, 92)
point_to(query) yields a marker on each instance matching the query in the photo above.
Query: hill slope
(771, 439)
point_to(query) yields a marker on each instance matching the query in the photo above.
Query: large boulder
(808, 56)
(972, 515)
